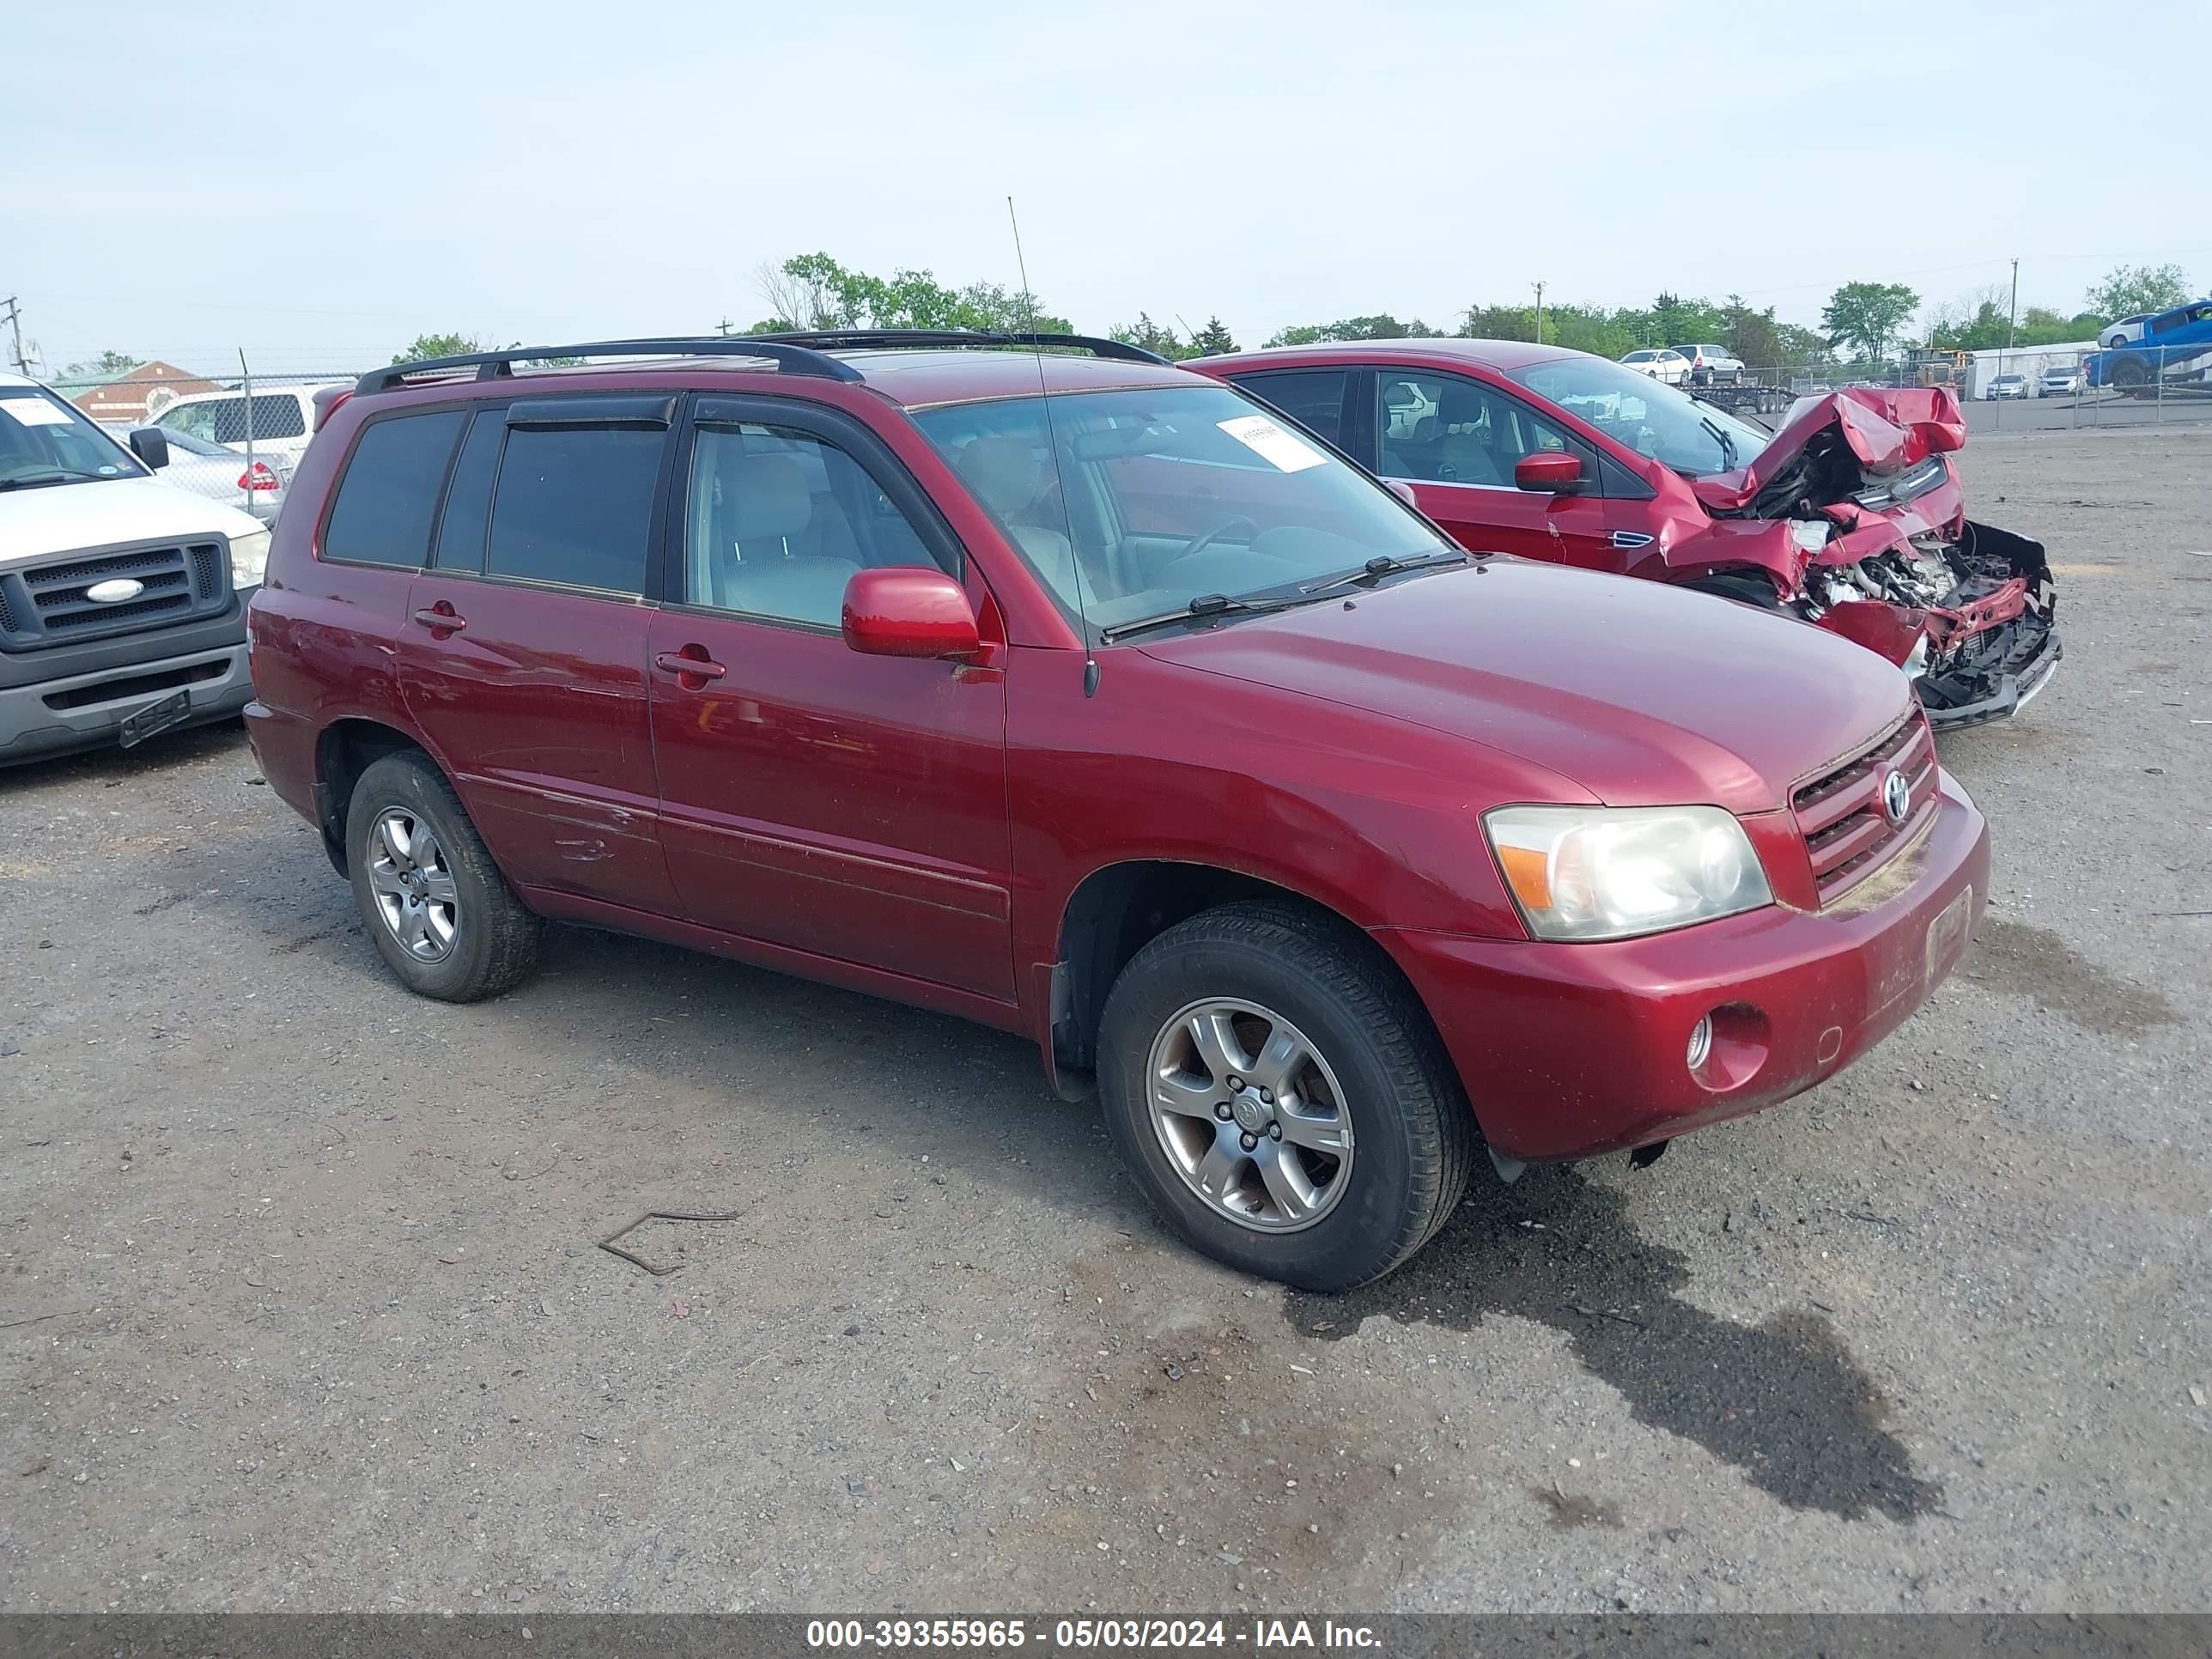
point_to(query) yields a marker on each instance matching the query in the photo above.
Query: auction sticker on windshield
(34, 411)
(1271, 443)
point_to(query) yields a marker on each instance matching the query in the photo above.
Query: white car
(122, 598)
(2060, 379)
(1663, 363)
(220, 473)
(2126, 331)
(1710, 362)
(284, 419)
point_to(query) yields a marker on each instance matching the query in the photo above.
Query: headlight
(1589, 872)
(249, 559)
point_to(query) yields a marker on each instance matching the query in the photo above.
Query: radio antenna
(1052, 451)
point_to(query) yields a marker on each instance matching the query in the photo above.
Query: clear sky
(319, 182)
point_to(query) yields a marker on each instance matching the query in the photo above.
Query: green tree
(1803, 347)
(439, 345)
(1213, 340)
(2142, 291)
(814, 291)
(1381, 327)
(1499, 323)
(1155, 337)
(1751, 335)
(104, 366)
(1687, 322)
(1869, 316)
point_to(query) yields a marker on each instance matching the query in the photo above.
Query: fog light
(1701, 1044)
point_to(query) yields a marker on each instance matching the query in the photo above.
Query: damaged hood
(1882, 429)
(1641, 693)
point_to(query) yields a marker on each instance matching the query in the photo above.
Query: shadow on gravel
(1784, 1400)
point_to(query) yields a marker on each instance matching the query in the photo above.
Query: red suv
(1848, 516)
(1079, 696)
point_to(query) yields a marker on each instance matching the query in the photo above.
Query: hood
(1642, 693)
(36, 523)
(1829, 446)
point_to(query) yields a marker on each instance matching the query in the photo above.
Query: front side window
(222, 420)
(777, 520)
(389, 491)
(1644, 415)
(199, 419)
(1441, 428)
(1131, 504)
(575, 506)
(44, 441)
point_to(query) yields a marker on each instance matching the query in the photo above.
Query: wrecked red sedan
(1850, 515)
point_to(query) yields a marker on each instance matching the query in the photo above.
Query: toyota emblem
(1896, 797)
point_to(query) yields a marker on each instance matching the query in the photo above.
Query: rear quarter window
(389, 493)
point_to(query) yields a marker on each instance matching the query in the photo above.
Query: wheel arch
(345, 749)
(1119, 908)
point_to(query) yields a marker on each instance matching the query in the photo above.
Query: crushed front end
(1860, 519)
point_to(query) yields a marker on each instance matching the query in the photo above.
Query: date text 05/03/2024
(1087, 1634)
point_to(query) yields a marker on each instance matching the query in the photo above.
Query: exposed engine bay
(1854, 513)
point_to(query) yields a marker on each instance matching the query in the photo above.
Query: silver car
(222, 473)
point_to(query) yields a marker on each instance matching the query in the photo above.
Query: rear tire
(1263, 981)
(442, 916)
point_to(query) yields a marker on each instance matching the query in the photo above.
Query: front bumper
(1570, 1050)
(68, 698)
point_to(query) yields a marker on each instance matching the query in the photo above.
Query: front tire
(1281, 1098)
(442, 916)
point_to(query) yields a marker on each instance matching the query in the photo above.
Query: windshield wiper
(1385, 564)
(1720, 436)
(58, 475)
(1206, 605)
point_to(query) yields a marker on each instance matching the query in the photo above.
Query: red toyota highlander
(1080, 696)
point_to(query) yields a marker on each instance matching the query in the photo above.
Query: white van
(122, 599)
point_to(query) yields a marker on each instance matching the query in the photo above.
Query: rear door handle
(445, 620)
(675, 662)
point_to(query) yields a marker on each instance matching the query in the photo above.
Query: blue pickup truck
(2170, 351)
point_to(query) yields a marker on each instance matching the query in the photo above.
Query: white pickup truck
(122, 599)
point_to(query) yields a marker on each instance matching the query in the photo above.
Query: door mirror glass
(908, 611)
(1552, 471)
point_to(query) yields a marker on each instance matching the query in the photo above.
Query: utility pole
(2013, 312)
(16, 322)
(1540, 313)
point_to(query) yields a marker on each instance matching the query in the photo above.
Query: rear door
(1456, 441)
(523, 660)
(842, 807)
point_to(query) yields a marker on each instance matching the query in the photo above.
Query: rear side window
(223, 420)
(575, 506)
(1314, 398)
(390, 491)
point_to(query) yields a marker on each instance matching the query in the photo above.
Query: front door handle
(687, 667)
(441, 618)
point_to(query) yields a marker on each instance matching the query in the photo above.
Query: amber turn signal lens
(1527, 872)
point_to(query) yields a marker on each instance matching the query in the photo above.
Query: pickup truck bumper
(1570, 1050)
(68, 698)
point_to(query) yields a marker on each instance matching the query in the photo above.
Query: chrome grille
(1848, 832)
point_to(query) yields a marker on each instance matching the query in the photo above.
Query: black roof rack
(789, 357)
(854, 339)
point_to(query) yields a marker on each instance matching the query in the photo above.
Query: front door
(523, 661)
(1457, 440)
(849, 807)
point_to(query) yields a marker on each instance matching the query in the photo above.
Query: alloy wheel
(413, 883)
(1250, 1114)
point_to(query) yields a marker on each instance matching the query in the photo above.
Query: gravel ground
(302, 1307)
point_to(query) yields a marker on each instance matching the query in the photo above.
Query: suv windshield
(1164, 494)
(43, 441)
(1648, 417)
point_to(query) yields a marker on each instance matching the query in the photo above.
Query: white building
(2029, 361)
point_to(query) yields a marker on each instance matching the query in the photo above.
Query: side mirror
(908, 611)
(1403, 491)
(150, 445)
(1549, 472)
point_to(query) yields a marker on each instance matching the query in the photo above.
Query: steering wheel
(1198, 544)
